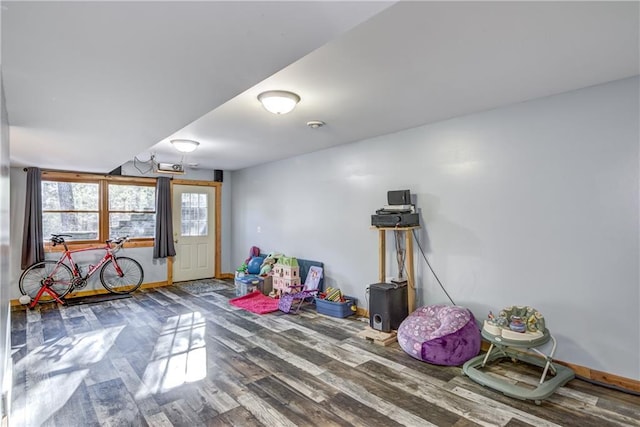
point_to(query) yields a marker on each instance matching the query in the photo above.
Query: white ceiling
(89, 86)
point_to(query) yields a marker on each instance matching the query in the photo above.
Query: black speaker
(399, 197)
(387, 306)
(217, 175)
(116, 171)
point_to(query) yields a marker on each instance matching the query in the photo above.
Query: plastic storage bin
(248, 283)
(336, 309)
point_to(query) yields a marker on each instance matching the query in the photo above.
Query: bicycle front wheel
(57, 276)
(121, 275)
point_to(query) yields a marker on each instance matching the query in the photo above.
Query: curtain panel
(32, 238)
(163, 246)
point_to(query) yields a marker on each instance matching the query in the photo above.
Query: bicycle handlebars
(118, 242)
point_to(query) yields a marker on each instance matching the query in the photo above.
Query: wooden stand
(378, 337)
(411, 287)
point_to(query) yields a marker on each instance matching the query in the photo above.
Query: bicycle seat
(58, 238)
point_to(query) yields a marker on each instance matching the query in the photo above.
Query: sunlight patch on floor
(179, 357)
(76, 350)
(45, 398)
(52, 374)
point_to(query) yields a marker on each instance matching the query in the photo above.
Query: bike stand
(48, 290)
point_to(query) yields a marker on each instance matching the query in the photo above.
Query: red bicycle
(50, 280)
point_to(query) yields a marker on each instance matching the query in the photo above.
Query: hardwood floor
(183, 356)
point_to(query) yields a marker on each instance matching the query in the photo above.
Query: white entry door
(193, 232)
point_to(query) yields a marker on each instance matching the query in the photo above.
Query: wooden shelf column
(382, 251)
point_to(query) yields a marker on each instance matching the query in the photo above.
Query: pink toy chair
(309, 290)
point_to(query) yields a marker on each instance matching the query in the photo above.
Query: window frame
(103, 182)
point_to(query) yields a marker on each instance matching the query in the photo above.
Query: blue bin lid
(250, 279)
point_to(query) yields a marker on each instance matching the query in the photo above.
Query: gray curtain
(163, 246)
(32, 239)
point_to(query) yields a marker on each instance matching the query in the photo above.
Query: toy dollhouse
(286, 273)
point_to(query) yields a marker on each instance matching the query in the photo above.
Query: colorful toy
(517, 324)
(269, 262)
(253, 252)
(333, 294)
(244, 267)
(253, 266)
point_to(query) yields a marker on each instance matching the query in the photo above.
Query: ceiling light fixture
(278, 101)
(185, 145)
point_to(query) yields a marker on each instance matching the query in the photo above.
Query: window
(132, 210)
(194, 214)
(93, 208)
(70, 208)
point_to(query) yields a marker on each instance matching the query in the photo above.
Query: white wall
(5, 266)
(534, 204)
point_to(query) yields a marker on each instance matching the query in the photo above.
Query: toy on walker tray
(516, 323)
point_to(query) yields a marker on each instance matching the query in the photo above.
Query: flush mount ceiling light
(185, 145)
(278, 101)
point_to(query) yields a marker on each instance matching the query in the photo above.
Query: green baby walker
(519, 328)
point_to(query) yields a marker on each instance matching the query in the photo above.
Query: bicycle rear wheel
(125, 283)
(58, 277)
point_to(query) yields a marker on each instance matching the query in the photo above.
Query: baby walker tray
(523, 328)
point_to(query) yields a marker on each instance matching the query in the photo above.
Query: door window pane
(194, 214)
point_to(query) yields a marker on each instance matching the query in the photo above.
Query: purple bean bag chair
(440, 334)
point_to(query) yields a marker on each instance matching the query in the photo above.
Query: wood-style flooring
(183, 356)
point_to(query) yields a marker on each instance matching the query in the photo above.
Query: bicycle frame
(67, 258)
